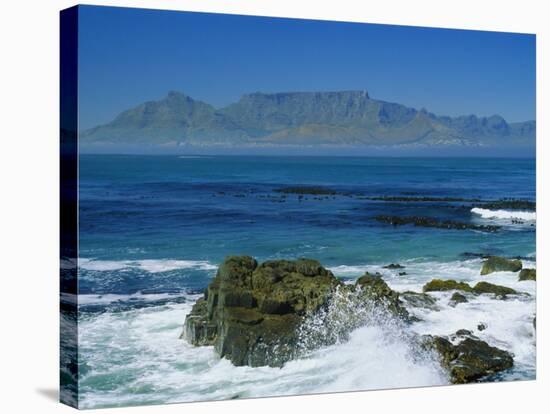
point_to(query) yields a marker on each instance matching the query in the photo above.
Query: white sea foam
(350, 271)
(154, 365)
(509, 322)
(101, 265)
(149, 265)
(505, 214)
(92, 299)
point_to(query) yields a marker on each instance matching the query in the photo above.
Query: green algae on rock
(527, 274)
(466, 357)
(500, 291)
(252, 313)
(438, 285)
(500, 264)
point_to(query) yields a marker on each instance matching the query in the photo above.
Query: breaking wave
(357, 352)
(346, 347)
(505, 214)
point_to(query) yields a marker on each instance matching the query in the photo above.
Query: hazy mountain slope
(176, 118)
(302, 118)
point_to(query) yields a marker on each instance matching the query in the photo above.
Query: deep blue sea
(154, 228)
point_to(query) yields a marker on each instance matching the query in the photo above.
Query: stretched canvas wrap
(256, 206)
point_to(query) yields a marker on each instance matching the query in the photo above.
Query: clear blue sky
(128, 56)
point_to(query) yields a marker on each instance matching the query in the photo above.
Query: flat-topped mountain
(344, 118)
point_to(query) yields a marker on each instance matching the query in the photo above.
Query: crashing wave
(505, 214)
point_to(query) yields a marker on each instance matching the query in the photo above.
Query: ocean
(153, 229)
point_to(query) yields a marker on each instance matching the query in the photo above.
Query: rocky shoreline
(259, 314)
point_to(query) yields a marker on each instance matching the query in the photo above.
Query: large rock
(527, 274)
(252, 314)
(438, 285)
(500, 264)
(457, 298)
(468, 358)
(497, 290)
(419, 300)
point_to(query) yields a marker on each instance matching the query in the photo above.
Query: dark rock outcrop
(528, 274)
(419, 300)
(468, 358)
(497, 290)
(394, 266)
(457, 298)
(500, 264)
(252, 313)
(481, 326)
(438, 285)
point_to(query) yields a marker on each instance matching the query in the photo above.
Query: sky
(129, 56)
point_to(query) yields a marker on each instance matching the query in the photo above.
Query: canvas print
(256, 206)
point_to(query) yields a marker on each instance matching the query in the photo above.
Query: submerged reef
(435, 223)
(510, 204)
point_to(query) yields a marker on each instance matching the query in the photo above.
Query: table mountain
(302, 118)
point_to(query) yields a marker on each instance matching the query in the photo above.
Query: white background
(29, 203)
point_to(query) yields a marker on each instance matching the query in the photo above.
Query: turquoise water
(154, 228)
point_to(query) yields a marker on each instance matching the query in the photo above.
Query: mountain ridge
(338, 118)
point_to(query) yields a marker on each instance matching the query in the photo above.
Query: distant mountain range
(345, 118)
